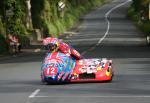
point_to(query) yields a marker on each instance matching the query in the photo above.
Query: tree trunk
(29, 18)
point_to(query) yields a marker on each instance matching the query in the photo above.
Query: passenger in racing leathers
(55, 44)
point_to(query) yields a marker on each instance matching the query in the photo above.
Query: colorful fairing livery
(92, 70)
(58, 67)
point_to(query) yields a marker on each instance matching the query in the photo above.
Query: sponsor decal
(99, 68)
(108, 73)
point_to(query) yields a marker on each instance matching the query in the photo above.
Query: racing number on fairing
(51, 71)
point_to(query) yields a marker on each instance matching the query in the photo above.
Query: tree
(16, 21)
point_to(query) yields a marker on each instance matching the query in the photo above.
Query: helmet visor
(51, 47)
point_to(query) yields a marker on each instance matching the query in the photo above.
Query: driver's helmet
(51, 44)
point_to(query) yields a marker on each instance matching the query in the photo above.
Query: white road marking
(67, 96)
(108, 25)
(34, 93)
(108, 22)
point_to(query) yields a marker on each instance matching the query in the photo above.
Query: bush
(24, 40)
(143, 25)
(50, 19)
(3, 44)
(2, 29)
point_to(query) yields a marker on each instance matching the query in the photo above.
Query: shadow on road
(99, 52)
(119, 51)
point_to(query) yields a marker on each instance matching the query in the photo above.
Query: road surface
(104, 32)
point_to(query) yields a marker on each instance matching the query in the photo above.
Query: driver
(55, 44)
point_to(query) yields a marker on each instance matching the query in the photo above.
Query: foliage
(3, 44)
(139, 13)
(16, 22)
(143, 25)
(2, 29)
(51, 20)
(46, 16)
(141, 6)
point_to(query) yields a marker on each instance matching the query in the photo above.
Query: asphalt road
(105, 32)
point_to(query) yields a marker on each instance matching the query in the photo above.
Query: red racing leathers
(63, 47)
(66, 49)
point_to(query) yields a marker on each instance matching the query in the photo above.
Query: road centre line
(68, 96)
(108, 22)
(34, 93)
(108, 25)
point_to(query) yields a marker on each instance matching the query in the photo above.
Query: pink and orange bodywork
(92, 70)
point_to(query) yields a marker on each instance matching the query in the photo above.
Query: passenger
(55, 44)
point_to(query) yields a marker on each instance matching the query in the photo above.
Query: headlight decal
(99, 68)
(108, 72)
